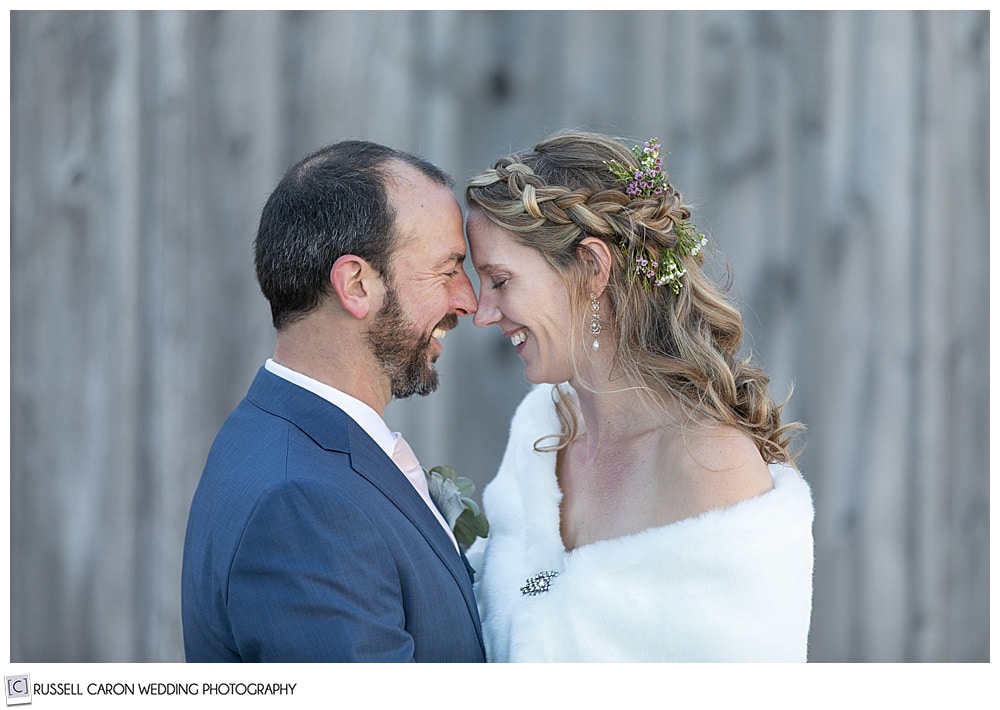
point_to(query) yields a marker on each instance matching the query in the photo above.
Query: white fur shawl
(733, 584)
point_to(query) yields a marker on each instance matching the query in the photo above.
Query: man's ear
(597, 253)
(353, 281)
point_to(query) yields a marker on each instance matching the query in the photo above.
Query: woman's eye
(498, 283)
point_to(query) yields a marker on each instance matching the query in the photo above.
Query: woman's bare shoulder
(718, 466)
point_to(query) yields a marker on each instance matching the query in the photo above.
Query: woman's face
(525, 297)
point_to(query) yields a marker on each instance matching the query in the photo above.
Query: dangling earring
(595, 320)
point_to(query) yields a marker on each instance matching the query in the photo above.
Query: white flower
(453, 496)
(446, 495)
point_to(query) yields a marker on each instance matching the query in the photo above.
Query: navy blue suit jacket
(306, 543)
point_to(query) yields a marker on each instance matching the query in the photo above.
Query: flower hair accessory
(648, 180)
(666, 267)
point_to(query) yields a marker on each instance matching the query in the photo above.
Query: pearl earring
(595, 320)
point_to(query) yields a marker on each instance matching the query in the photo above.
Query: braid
(607, 213)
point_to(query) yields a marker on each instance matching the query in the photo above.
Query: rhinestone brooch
(538, 583)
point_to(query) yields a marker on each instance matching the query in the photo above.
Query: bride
(647, 507)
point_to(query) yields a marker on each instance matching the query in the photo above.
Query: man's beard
(402, 352)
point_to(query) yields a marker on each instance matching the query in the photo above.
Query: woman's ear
(598, 255)
(353, 281)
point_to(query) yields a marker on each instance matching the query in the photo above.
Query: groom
(311, 536)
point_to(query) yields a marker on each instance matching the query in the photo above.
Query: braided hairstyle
(684, 345)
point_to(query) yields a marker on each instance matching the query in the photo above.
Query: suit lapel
(333, 430)
(369, 461)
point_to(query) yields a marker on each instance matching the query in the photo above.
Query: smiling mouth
(518, 338)
(447, 323)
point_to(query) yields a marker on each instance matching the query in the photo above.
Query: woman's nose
(487, 312)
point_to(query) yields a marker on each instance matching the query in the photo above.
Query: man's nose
(464, 299)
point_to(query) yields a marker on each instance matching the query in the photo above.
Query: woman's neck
(616, 413)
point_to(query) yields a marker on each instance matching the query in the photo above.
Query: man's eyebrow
(455, 258)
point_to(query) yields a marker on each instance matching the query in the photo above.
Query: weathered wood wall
(839, 158)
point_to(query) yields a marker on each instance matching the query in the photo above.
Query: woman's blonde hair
(686, 343)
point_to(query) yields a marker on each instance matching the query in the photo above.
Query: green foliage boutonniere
(453, 495)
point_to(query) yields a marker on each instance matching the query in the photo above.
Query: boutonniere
(453, 496)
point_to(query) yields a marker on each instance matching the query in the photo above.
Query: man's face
(427, 289)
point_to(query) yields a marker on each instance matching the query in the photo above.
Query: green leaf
(471, 505)
(465, 486)
(469, 526)
(453, 496)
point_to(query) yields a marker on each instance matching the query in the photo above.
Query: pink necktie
(406, 460)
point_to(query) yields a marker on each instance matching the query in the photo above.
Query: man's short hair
(331, 203)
